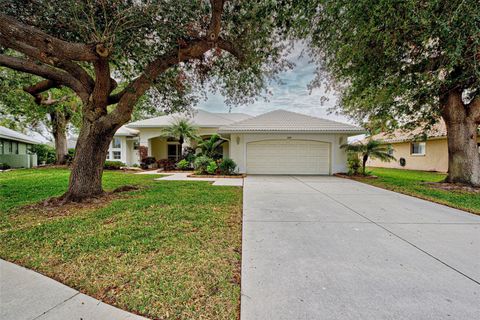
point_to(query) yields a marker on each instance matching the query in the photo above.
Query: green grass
(170, 250)
(413, 183)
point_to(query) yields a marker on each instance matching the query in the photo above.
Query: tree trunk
(364, 163)
(87, 169)
(462, 127)
(59, 131)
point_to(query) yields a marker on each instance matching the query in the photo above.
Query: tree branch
(38, 88)
(46, 72)
(230, 47)
(193, 49)
(10, 28)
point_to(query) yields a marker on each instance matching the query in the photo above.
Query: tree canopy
(405, 62)
(395, 59)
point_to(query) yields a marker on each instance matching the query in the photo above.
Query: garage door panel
(288, 157)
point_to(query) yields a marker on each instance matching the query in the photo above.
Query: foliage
(181, 129)
(44, 153)
(375, 149)
(201, 163)
(353, 163)
(227, 166)
(113, 165)
(396, 59)
(413, 182)
(212, 167)
(188, 154)
(169, 238)
(4, 166)
(22, 109)
(183, 164)
(211, 147)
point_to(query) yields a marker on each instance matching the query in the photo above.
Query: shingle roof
(6, 133)
(200, 118)
(400, 135)
(287, 121)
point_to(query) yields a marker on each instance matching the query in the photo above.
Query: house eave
(303, 131)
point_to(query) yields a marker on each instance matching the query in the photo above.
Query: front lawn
(414, 183)
(170, 250)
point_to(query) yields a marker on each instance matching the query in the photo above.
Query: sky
(292, 93)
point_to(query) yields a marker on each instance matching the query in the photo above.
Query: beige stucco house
(277, 142)
(415, 150)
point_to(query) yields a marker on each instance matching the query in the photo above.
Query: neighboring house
(15, 149)
(277, 142)
(416, 150)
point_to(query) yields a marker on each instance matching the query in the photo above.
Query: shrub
(44, 153)
(212, 167)
(189, 154)
(227, 166)
(201, 163)
(4, 166)
(183, 164)
(146, 162)
(353, 163)
(113, 165)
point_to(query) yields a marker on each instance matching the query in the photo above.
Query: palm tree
(374, 149)
(210, 146)
(181, 129)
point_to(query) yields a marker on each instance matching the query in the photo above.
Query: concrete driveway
(331, 248)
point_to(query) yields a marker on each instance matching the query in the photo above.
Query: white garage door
(288, 157)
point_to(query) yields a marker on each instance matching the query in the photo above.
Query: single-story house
(277, 142)
(15, 149)
(416, 149)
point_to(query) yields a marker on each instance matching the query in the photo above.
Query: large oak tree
(413, 61)
(231, 46)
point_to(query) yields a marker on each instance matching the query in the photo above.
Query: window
(15, 147)
(417, 148)
(116, 143)
(174, 151)
(136, 145)
(117, 155)
(108, 155)
(8, 147)
(1, 146)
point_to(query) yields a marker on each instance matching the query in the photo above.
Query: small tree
(181, 129)
(374, 149)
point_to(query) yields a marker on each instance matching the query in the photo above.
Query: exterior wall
(238, 147)
(14, 158)
(159, 148)
(435, 158)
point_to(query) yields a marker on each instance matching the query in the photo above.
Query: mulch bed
(57, 207)
(354, 177)
(215, 176)
(453, 187)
